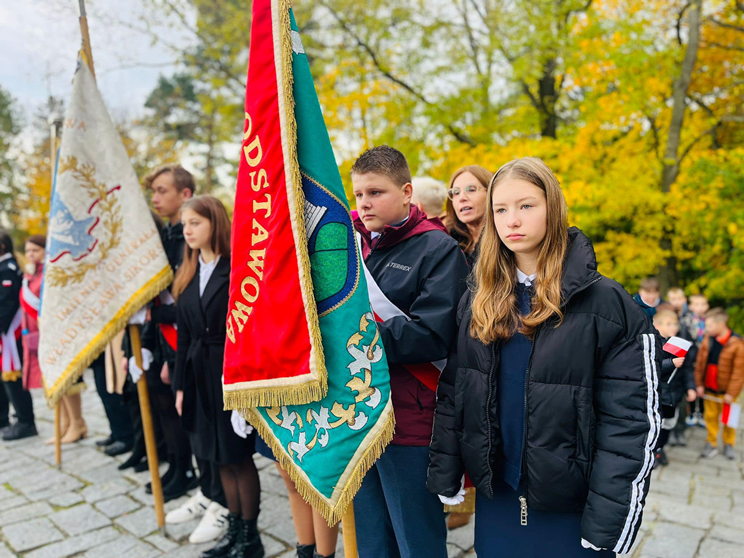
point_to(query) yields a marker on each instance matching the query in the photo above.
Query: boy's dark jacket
(592, 417)
(422, 270)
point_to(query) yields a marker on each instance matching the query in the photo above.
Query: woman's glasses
(453, 193)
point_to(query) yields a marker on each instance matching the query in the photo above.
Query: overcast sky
(39, 41)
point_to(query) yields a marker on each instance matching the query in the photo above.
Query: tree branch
(727, 25)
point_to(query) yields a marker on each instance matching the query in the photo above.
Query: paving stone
(464, 536)
(735, 521)
(272, 547)
(454, 551)
(180, 531)
(670, 540)
(693, 516)
(5, 493)
(190, 551)
(101, 474)
(75, 545)
(727, 534)
(66, 499)
(141, 496)
(159, 541)
(711, 502)
(125, 546)
(116, 506)
(672, 488)
(5, 551)
(13, 502)
(103, 490)
(275, 518)
(712, 548)
(31, 534)
(22, 513)
(139, 523)
(79, 519)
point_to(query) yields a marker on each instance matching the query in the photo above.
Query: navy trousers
(396, 516)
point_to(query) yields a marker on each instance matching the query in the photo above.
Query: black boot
(316, 555)
(133, 460)
(249, 543)
(228, 540)
(305, 550)
(184, 479)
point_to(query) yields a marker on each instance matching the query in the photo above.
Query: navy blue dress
(498, 529)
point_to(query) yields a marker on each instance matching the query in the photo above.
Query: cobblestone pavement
(90, 509)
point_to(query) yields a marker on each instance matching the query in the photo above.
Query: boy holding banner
(416, 276)
(719, 375)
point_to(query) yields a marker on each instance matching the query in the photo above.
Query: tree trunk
(668, 271)
(548, 98)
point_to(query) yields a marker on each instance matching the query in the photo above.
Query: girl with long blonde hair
(549, 400)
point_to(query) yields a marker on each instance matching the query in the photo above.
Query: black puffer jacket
(591, 401)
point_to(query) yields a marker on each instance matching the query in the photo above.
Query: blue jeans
(396, 516)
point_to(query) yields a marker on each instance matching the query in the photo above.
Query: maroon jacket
(422, 270)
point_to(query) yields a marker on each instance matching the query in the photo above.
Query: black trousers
(20, 398)
(117, 410)
(210, 482)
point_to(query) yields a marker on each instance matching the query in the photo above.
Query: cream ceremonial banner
(104, 257)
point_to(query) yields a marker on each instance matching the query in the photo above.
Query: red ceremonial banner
(273, 353)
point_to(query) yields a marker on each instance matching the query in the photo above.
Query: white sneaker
(193, 508)
(212, 526)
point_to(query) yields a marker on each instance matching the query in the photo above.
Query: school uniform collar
(6, 257)
(525, 279)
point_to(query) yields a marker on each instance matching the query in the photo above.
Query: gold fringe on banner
(97, 345)
(332, 512)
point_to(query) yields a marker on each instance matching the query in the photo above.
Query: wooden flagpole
(348, 527)
(134, 335)
(57, 407)
(152, 451)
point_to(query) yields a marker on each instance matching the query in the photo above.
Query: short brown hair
(384, 160)
(182, 178)
(718, 315)
(665, 313)
(676, 290)
(650, 284)
(38, 240)
(698, 295)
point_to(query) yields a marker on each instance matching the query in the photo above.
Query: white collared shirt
(205, 272)
(525, 279)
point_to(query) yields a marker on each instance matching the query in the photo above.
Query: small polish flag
(731, 415)
(677, 346)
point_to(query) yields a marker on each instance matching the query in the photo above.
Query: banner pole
(57, 436)
(152, 451)
(86, 36)
(348, 526)
(52, 168)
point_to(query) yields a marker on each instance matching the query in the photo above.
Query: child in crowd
(421, 270)
(648, 296)
(549, 400)
(676, 378)
(694, 324)
(678, 299)
(201, 291)
(719, 375)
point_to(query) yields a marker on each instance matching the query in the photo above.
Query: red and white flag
(677, 346)
(731, 415)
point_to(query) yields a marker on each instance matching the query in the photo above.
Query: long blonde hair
(452, 221)
(495, 310)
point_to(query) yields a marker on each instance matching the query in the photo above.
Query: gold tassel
(12, 376)
(274, 396)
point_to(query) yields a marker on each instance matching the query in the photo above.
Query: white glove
(135, 371)
(586, 544)
(138, 318)
(240, 425)
(458, 498)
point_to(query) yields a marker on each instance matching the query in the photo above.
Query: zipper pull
(523, 510)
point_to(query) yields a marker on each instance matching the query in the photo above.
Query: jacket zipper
(523, 499)
(488, 417)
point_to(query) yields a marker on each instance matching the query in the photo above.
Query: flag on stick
(677, 346)
(303, 359)
(104, 256)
